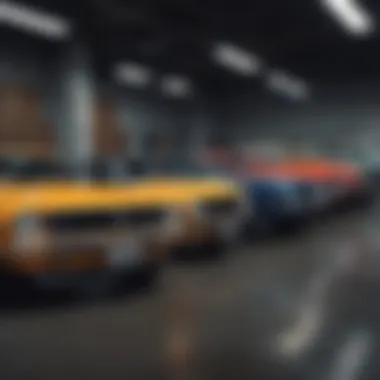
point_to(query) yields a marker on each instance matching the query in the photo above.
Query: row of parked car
(58, 232)
(291, 192)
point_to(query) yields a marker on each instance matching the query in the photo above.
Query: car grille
(102, 221)
(220, 207)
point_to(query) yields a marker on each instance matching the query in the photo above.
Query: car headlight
(173, 222)
(29, 234)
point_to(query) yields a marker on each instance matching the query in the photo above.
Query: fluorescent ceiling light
(352, 16)
(133, 74)
(287, 85)
(34, 21)
(176, 86)
(236, 59)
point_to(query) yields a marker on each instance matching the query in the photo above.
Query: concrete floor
(301, 307)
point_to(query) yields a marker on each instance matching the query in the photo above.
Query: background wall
(139, 113)
(344, 122)
(341, 123)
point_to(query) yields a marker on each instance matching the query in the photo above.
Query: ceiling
(176, 36)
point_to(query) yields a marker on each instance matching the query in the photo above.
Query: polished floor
(299, 307)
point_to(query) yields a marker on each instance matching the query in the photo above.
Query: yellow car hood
(195, 187)
(61, 196)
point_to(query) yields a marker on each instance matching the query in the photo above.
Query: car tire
(214, 249)
(289, 226)
(147, 275)
(16, 289)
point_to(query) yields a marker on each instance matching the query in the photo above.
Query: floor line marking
(352, 356)
(304, 331)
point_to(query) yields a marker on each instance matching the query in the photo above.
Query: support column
(200, 128)
(135, 117)
(78, 99)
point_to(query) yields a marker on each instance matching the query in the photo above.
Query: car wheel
(213, 249)
(146, 276)
(289, 226)
(16, 289)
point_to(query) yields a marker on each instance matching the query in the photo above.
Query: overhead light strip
(287, 85)
(236, 59)
(176, 86)
(351, 15)
(34, 21)
(242, 62)
(133, 74)
(139, 76)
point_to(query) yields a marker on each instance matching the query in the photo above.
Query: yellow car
(56, 233)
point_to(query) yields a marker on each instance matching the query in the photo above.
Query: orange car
(321, 175)
(333, 181)
(327, 182)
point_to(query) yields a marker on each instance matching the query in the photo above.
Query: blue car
(279, 203)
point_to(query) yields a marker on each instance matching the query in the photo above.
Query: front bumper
(24, 284)
(61, 269)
